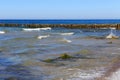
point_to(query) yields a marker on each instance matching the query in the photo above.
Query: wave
(112, 35)
(66, 40)
(67, 34)
(31, 29)
(36, 29)
(86, 75)
(115, 75)
(42, 37)
(2, 32)
(47, 28)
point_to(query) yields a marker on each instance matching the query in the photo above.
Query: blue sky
(59, 9)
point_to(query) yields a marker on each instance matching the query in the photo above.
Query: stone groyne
(87, 26)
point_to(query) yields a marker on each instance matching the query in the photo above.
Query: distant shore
(86, 26)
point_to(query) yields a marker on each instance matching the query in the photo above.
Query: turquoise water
(18, 45)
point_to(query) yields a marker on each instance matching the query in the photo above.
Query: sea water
(21, 51)
(61, 21)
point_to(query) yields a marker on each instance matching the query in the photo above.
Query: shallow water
(22, 51)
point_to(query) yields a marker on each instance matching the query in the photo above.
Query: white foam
(118, 48)
(31, 29)
(36, 29)
(103, 28)
(47, 28)
(42, 37)
(2, 32)
(115, 76)
(67, 34)
(115, 53)
(112, 35)
(86, 75)
(66, 40)
(112, 28)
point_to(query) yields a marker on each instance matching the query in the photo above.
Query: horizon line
(64, 19)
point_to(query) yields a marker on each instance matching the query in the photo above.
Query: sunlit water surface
(21, 51)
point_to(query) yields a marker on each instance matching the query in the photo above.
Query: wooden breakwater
(87, 26)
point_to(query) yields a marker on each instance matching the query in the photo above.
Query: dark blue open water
(82, 21)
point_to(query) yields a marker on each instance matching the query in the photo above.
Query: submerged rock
(48, 60)
(65, 56)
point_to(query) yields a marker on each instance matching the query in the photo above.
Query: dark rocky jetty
(87, 26)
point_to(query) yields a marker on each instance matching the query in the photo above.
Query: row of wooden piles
(87, 26)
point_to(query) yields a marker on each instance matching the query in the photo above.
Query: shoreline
(73, 26)
(113, 72)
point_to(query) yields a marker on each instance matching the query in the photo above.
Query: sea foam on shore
(86, 75)
(115, 76)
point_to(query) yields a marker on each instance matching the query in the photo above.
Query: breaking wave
(42, 37)
(112, 35)
(2, 32)
(115, 76)
(67, 34)
(36, 29)
(47, 28)
(66, 40)
(86, 75)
